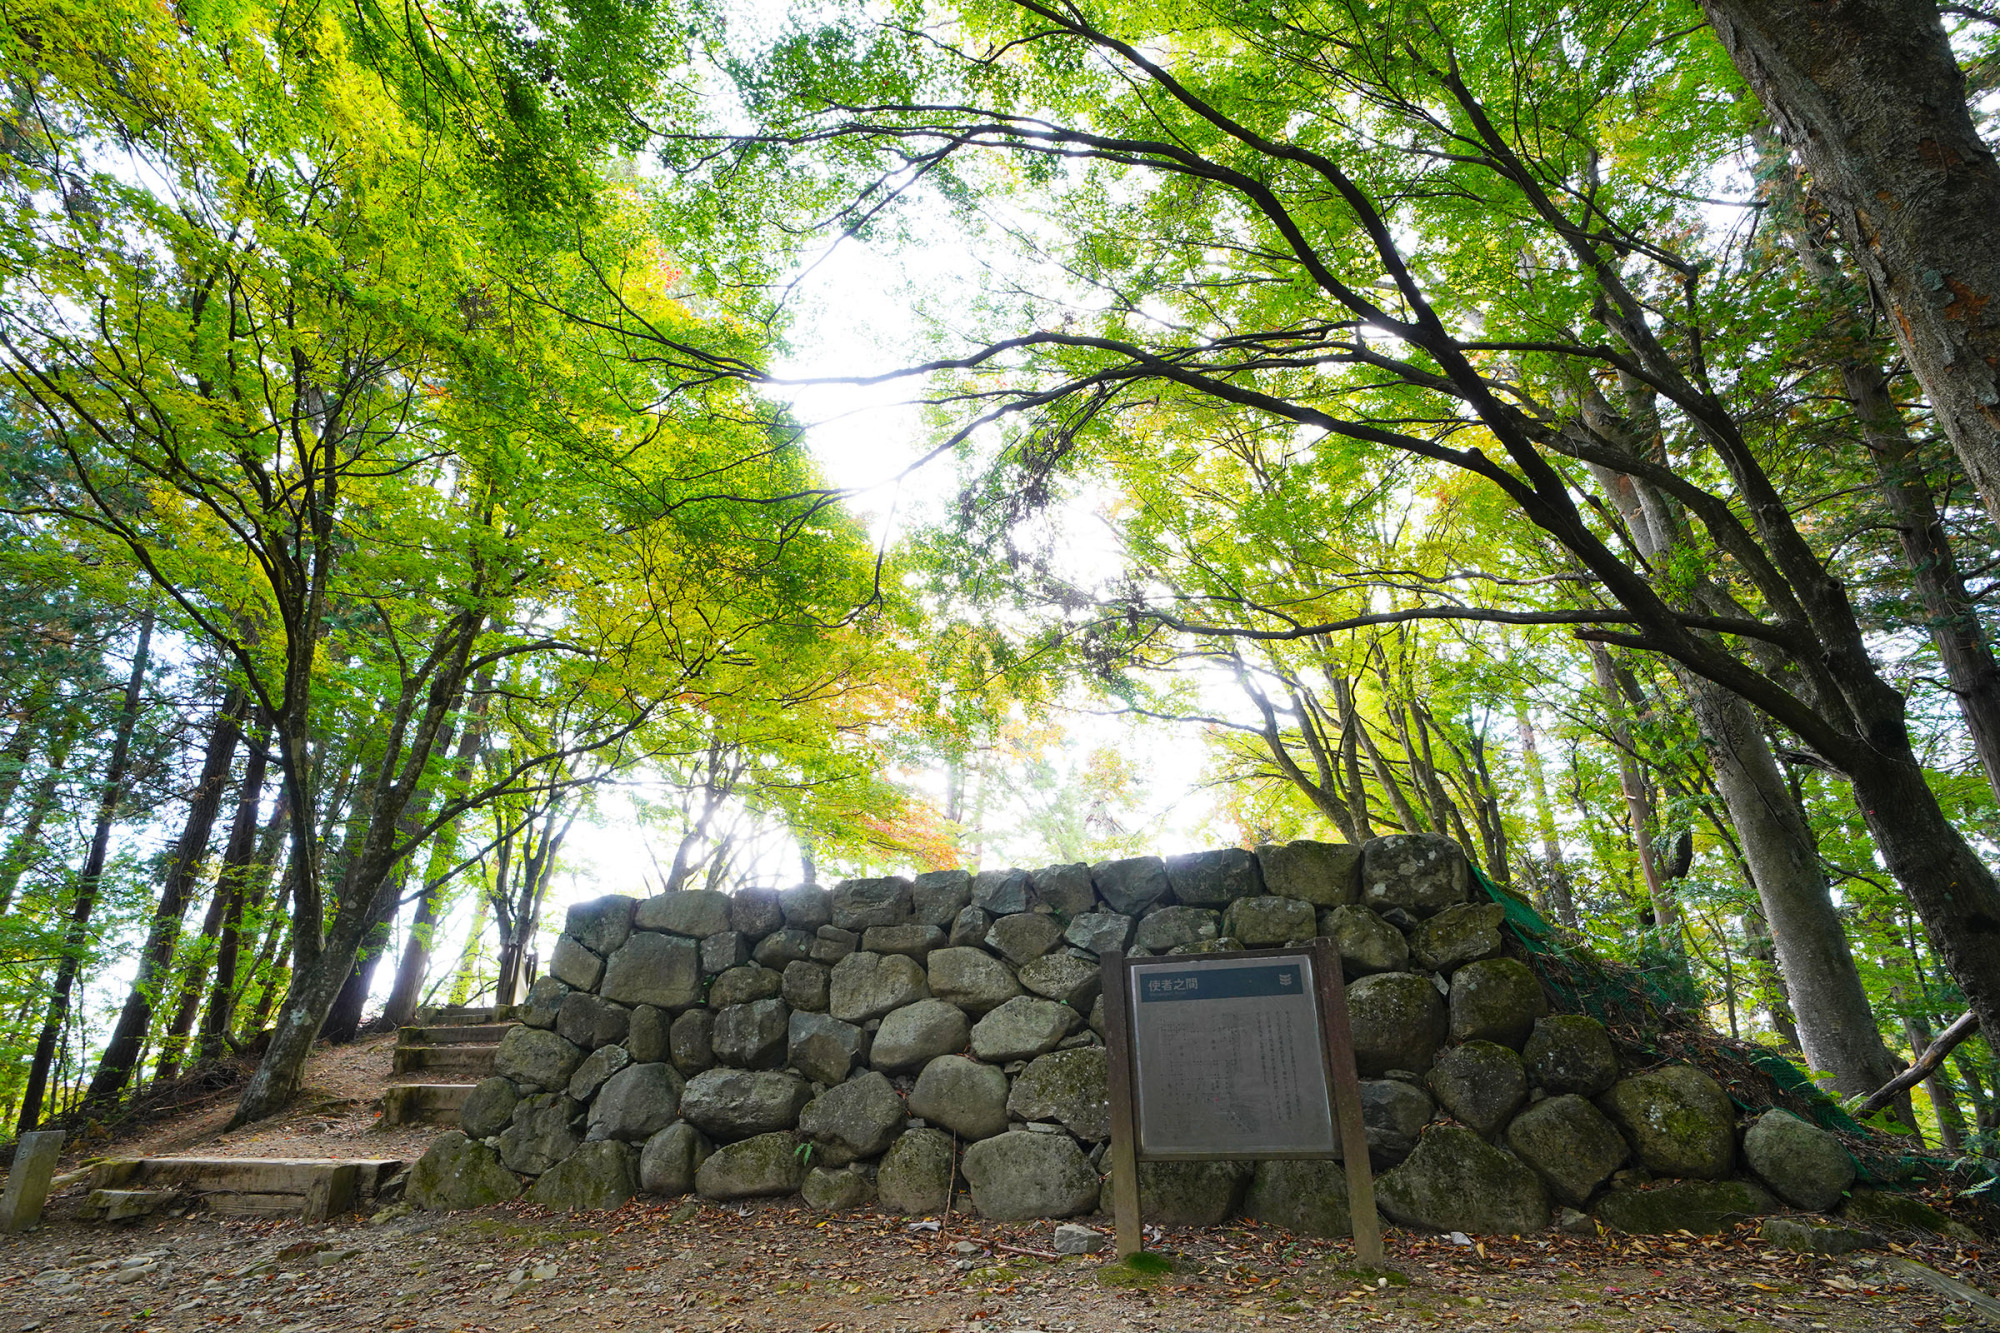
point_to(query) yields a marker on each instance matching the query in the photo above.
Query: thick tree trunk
(239, 858)
(109, 794)
(121, 1053)
(1869, 95)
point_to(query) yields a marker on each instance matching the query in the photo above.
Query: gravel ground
(774, 1267)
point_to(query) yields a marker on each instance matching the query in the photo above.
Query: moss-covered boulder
(1394, 1113)
(1803, 1164)
(915, 1174)
(1325, 874)
(1480, 1084)
(966, 1097)
(1307, 1197)
(1805, 1236)
(597, 1177)
(1701, 1206)
(537, 1056)
(768, 1164)
(1422, 873)
(1496, 999)
(1263, 922)
(1072, 1087)
(1023, 1174)
(456, 1173)
(1191, 1194)
(1457, 936)
(671, 1157)
(1678, 1120)
(1886, 1210)
(543, 1130)
(858, 1119)
(1397, 1020)
(1569, 1144)
(488, 1108)
(1366, 942)
(837, 1190)
(1457, 1181)
(1571, 1053)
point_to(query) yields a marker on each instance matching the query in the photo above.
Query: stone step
(464, 1015)
(461, 1062)
(312, 1189)
(477, 1034)
(424, 1103)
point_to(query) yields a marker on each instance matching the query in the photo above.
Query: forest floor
(678, 1266)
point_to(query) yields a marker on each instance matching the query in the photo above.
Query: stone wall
(867, 1044)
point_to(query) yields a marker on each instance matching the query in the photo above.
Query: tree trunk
(1868, 93)
(1638, 800)
(1560, 901)
(22, 846)
(1951, 1121)
(121, 1053)
(239, 857)
(110, 793)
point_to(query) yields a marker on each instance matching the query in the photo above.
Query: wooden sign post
(1225, 1056)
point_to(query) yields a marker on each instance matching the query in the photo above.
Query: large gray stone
(661, 970)
(1496, 999)
(1570, 1145)
(1456, 936)
(731, 1104)
(1398, 1022)
(860, 903)
(1171, 927)
(1263, 922)
(756, 912)
(1191, 1194)
(1306, 1198)
(939, 896)
(1131, 885)
(597, 1177)
(858, 1119)
(1213, 879)
(913, 939)
(831, 944)
(969, 927)
(544, 1129)
(543, 1007)
(1023, 936)
(1704, 1207)
(1325, 874)
(489, 1107)
(1457, 1181)
(1804, 1164)
(1367, 944)
(668, 1162)
(964, 1096)
(1422, 873)
(598, 1066)
(1805, 1236)
(1099, 932)
(636, 1103)
(650, 1037)
(972, 979)
(807, 907)
(1678, 1120)
(601, 924)
(1058, 976)
(752, 1036)
(870, 985)
(693, 913)
(744, 985)
(1001, 892)
(1064, 890)
(575, 966)
(1024, 1027)
(1020, 1175)
(759, 1167)
(914, 1035)
(836, 1190)
(807, 986)
(915, 1174)
(1394, 1114)
(1072, 1087)
(823, 1048)
(1571, 1053)
(590, 1021)
(530, 1055)
(456, 1173)
(781, 948)
(691, 1041)
(720, 952)
(1480, 1084)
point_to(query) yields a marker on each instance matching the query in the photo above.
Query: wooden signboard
(1221, 1056)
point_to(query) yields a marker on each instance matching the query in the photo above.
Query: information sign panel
(1229, 1057)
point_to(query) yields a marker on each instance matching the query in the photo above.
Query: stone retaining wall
(869, 1043)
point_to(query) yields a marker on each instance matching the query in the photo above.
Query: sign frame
(1342, 1080)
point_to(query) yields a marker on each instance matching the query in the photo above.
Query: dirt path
(774, 1267)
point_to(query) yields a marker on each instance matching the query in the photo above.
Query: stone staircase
(312, 1189)
(453, 1046)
